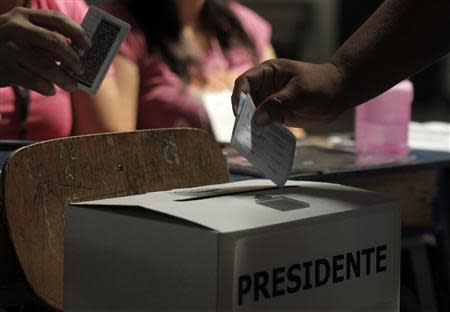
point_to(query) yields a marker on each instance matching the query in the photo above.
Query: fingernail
(261, 118)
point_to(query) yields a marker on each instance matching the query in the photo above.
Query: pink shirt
(164, 100)
(48, 117)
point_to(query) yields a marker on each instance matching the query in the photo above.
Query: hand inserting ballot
(279, 86)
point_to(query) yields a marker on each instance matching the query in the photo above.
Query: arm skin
(111, 110)
(269, 54)
(122, 91)
(401, 38)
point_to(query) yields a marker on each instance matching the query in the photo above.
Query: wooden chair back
(40, 179)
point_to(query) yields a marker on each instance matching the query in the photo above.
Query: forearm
(104, 112)
(400, 39)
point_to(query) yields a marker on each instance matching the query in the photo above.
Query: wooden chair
(40, 179)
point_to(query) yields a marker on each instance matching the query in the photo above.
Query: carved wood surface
(39, 180)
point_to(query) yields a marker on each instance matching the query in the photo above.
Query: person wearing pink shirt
(27, 111)
(178, 49)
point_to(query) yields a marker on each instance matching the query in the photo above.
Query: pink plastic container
(381, 124)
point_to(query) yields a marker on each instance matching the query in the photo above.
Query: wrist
(337, 86)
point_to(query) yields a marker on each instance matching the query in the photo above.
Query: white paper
(220, 114)
(270, 148)
(434, 136)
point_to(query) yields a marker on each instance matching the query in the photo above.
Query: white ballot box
(246, 246)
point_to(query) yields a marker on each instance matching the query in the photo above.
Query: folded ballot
(106, 33)
(271, 148)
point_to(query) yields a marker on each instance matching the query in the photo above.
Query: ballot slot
(229, 192)
(272, 197)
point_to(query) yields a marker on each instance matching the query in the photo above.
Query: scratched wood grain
(41, 179)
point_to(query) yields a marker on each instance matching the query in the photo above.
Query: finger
(26, 79)
(248, 83)
(45, 66)
(56, 45)
(241, 85)
(56, 21)
(259, 81)
(304, 122)
(275, 107)
(269, 111)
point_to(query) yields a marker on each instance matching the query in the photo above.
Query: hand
(32, 43)
(293, 93)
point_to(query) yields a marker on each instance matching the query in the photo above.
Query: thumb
(273, 108)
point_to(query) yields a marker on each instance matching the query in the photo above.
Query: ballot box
(245, 246)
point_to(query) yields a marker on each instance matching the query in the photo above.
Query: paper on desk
(270, 149)
(434, 136)
(220, 114)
